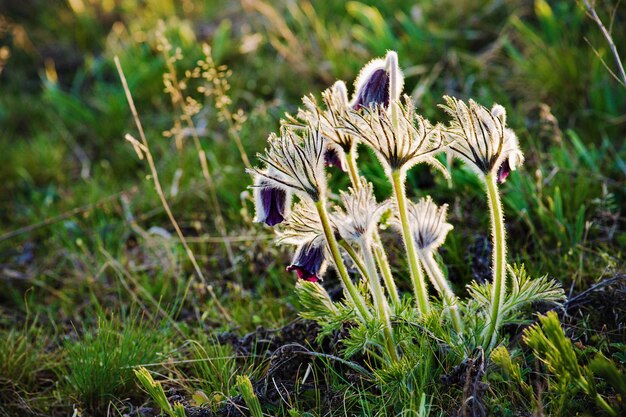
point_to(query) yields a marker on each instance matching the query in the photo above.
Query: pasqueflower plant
(341, 229)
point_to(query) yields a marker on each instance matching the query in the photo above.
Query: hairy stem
(417, 277)
(355, 257)
(379, 299)
(385, 269)
(352, 292)
(379, 252)
(499, 259)
(441, 283)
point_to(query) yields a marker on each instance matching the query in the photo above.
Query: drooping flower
(399, 136)
(272, 203)
(304, 230)
(295, 162)
(379, 83)
(428, 224)
(336, 157)
(308, 262)
(362, 213)
(481, 138)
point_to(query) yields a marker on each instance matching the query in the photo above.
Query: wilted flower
(481, 138)
(271, 202)
(295, 163)
(362, 213)
(379, 83)
(428, 224)
(304, 230)
(399, 141)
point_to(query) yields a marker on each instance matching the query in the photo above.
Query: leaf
(526, 290)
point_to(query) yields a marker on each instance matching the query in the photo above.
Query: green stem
(352, 167)
(499, 259)
(441, 283)
(379, 300)
(385, 269)
(355, 258)
(352, 292)
(379, 252)
(417, 277)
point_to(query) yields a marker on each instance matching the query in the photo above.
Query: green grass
(89, 240)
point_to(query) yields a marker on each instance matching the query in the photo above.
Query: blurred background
(85, 243)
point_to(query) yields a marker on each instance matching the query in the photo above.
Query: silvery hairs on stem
(398, 135)
(362, 213)
(304, 230)
(295, 162)
(481, 138)
(428, 224)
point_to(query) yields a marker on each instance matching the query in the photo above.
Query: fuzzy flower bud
(481, 138)
(428, 224)
(379, 83)
(272, 203)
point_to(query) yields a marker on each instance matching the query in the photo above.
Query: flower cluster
(328, 231)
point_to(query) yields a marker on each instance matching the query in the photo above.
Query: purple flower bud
(272, 203)
(332, 157)
(308, 261)
(375, 91)
(504, 171)
(379, 83)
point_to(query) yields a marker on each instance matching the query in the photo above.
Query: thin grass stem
(159, 189)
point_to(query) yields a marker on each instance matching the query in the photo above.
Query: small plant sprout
(429, 229)
(482, 140)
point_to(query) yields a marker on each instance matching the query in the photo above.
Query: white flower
(295, 163)
(428, 224)
(481, 138)
(362, 213)
(400, 137)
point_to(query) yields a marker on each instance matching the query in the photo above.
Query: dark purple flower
(375, 91)
(272, 203)
(332, 157)
(504, 171)
(308, 261)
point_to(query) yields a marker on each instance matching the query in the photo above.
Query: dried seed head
(400, 137)
(379, 83)
(481, 138)
(428, 224)
(295, 163)
(362, 213)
